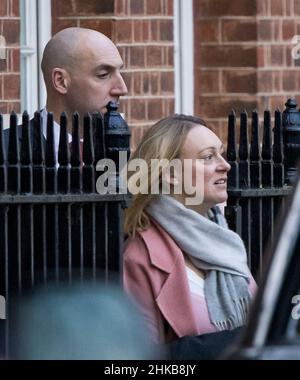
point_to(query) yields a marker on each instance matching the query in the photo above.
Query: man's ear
(60, 80)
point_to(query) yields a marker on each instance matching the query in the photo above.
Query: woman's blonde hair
(164, 140)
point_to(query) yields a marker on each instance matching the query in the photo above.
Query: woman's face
(204, 151)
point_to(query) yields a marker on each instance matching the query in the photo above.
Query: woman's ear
(60, 80)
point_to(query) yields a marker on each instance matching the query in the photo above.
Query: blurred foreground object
(77, 322)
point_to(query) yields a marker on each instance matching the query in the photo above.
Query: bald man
(81, 69)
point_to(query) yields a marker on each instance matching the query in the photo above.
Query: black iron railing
(54, 225)
(261, 175)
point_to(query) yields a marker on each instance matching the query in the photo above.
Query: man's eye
(102, 75)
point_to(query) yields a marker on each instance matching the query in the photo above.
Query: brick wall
(10, 66)
(243, 56)
(143, 32)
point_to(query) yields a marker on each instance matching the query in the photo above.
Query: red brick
(137, 83)
(11, 86)
(58, 24)
(170, 7)
(15, 9)
(263, 8)
(145, 84)
(289, 59)
(277, 81)
(227, 56)
(137, 56)
(140, 31)
(155, 83)
(138, 110)
(277, 8)
(297, 7)
(103, 26)
(207, 81)
(289, 7)
(219, 107)
(170, 55)
(233, 30)
(84, 8)
(166, 30)
(167, 82)
(14, 60)
(278, 30)
(205, 8)
(261, 60)
(207, 30)
(3, 107)
(277, 102)
(169, 106)
(124, 31)
(289, 81)
(264, 28)
(119, 7)
(154, 30)
(13, 106)
(137, 7)
(265, 81)
(153, 7)
(155, 109)
(1, 90)
(277, 55)
(11, 31)
(240, 81)
(3, 8)
(154, 56)
(288, 29)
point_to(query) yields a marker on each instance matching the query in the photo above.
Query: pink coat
(155, 276)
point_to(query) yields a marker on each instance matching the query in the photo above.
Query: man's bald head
(81, 69)
(67, 48)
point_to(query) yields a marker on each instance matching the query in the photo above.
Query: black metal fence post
(291, 139)
(117, 137)
(256, 194)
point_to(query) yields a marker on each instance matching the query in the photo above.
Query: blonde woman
(186, 270)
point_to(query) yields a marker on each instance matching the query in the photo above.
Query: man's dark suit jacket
(19, 129)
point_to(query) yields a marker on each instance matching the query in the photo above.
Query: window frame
(36, 24)
(184, 56)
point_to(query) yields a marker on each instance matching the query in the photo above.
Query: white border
(184, 56)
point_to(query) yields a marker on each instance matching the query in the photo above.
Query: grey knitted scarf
(212, 247)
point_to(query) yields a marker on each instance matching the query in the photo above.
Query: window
(35, 32)
(184, 56)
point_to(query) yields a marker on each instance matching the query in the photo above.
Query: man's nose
(119, 88)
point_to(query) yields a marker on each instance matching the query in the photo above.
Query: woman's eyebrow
(212, 148)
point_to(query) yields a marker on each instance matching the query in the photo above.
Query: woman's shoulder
(153, 243)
